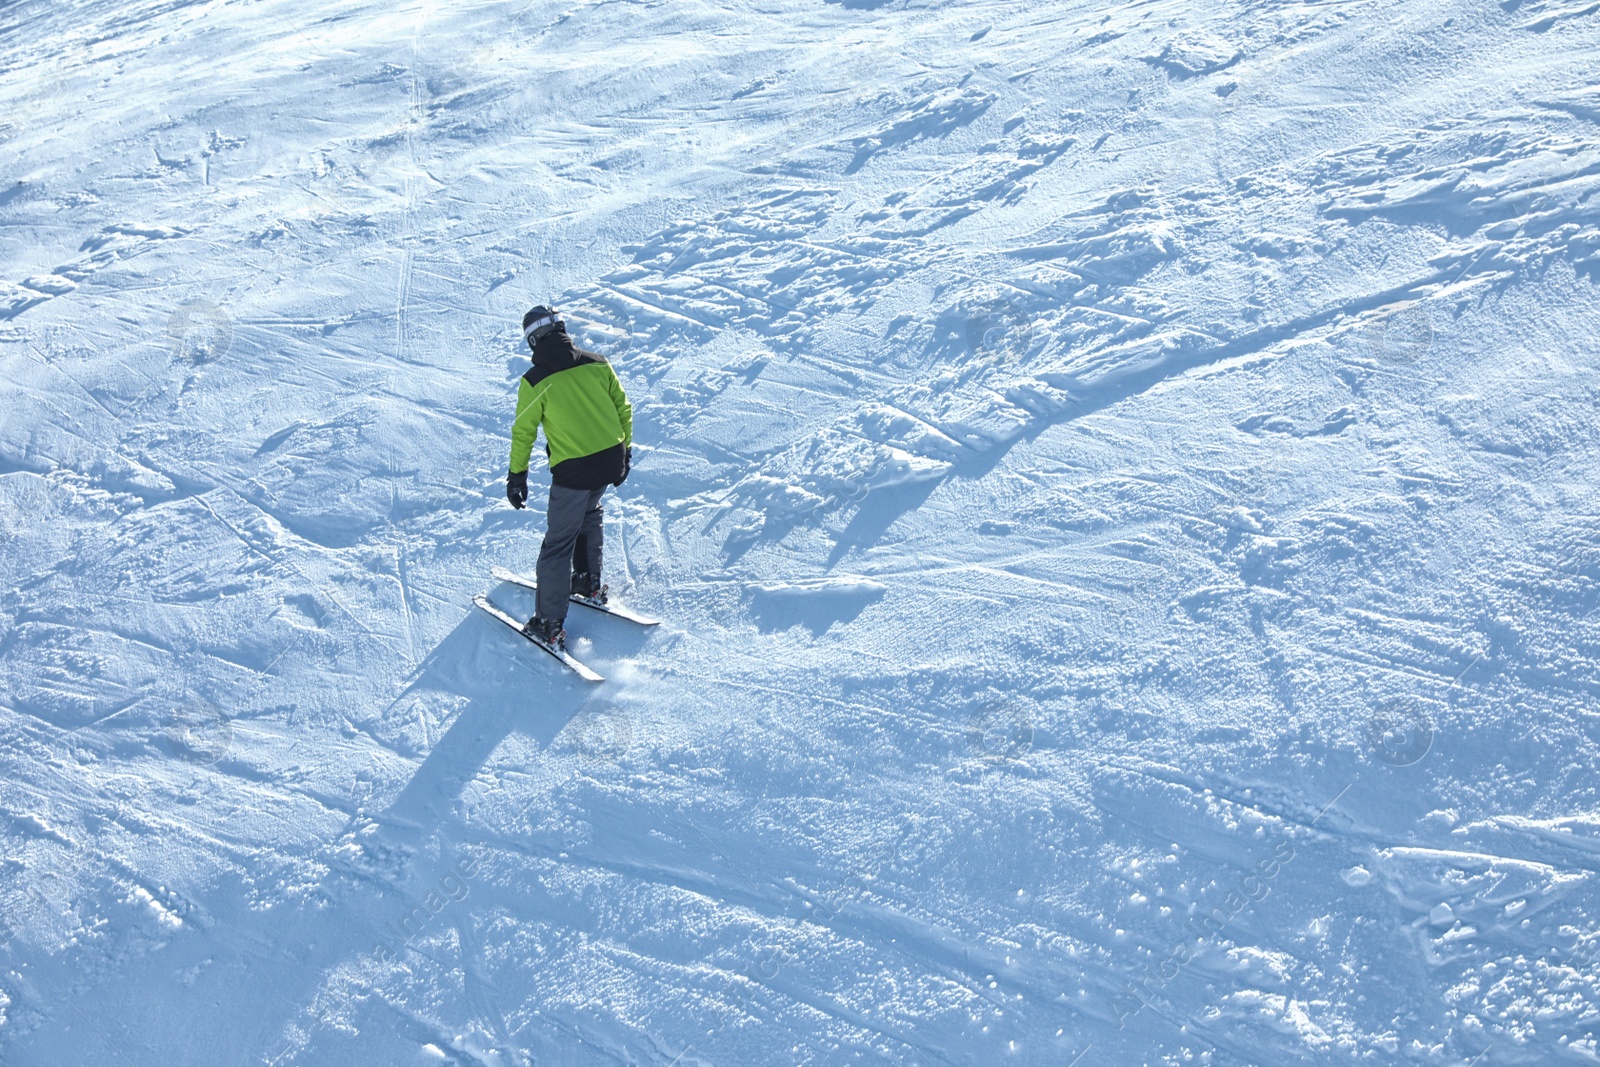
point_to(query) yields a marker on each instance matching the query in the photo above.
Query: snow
(1118, 481)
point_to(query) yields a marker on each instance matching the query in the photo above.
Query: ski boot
(551, 631)
(588, 586)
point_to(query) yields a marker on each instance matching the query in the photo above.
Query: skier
(588, 433)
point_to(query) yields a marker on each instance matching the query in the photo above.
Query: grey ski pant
(575, 516)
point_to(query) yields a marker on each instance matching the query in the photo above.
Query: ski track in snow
(1118, 482)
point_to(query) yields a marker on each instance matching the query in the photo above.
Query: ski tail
(506, 575)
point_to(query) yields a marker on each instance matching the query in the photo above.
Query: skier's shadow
(482, 683)
(506, 684)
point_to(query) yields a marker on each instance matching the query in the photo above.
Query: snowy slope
(1119, 480)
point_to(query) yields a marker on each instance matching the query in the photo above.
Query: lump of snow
(1247, 520)
(930, 117)
(53, 284)
(816, 604)
(1445, 817)
(139, 229)
(778, 498)
(15, 299)
(1357, 876)
(162, 914)
(823, 587)
(1276, 245)
(899, 467)
(1196, 52)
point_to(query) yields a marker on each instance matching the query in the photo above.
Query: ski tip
(566, 658)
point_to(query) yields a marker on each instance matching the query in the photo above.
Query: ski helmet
(540, 321)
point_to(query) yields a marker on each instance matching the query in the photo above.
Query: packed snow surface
(1119, 481)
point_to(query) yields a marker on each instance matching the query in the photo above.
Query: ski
(514, 578)
(583, 672)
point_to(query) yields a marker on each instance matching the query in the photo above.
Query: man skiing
(588, 433)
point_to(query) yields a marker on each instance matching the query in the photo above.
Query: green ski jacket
(587, 420)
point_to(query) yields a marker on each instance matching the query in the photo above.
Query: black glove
(627, 465)
(517, 488)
